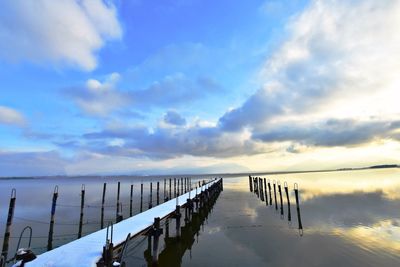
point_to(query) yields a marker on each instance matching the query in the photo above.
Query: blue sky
(145, 87)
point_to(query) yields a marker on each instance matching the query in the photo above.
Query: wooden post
(261, 189)
(250, 184)
(296, 192)
(167, 227)
(174, 187)
(276, 203)
(52, 214)
(156, 236)
(170, 189)
(141, 197)
(6, 240)
(158, 193)
(108, 248)
(280, 197)
(118, 192)
(178, 187)
(265, 190)
(181, 186)
(165, 187)
(270, 194)
(178, 220)
(131, 202)
(151, 196)
(81, 214)
(288, 201)
(102, 206)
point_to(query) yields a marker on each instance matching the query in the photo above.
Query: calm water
(350, 219)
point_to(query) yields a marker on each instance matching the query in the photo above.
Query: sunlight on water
(350, 218)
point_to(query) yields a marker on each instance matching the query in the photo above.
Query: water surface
(350, 218)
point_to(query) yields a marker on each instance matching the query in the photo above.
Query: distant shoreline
(384, 166)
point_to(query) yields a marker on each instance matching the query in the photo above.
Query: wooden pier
(104, 247)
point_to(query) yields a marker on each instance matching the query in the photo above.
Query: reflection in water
(296, 192)
(282, 214)
(351, 218)
(174, 246)
(288, 201)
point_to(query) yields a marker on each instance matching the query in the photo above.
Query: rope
(60, 223)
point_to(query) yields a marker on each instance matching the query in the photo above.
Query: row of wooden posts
(115, 255)
(172, 188)
(258, 185)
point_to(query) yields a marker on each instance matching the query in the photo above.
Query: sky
(93, 87)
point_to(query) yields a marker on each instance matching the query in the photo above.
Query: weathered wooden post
(151, 196)
(174, 187)
(118, 193)
(296, 192)
(255, 186)
(102, 206)
(280, 197)
(276, 203)
(81, 213)
(157, 231)
(250, 184)
(158, 193)
(178, 187)
(131, 202)
(181, 186)
(196, 200)
(167, 227)
(10, 216)
(170, 188)
(178, 220)
(108, 248)
(186, 184)
(52, 215)
(288, 201)
(270, 194)
(141, 197)
(265, 190)
(261, 189)
(165, 189)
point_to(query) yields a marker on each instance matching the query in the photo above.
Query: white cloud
(11, 116)
(339, 61)
(61, 32)
(100, 98)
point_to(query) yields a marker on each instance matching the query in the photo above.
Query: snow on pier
(87, 251)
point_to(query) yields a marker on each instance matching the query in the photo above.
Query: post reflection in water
(350, 218)
(282, 213)
(296, 192)
(175, 246)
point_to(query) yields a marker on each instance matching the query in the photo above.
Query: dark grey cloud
(329, 133)
(255, 110)
(169, 142)
(215, 142)
(174, 118)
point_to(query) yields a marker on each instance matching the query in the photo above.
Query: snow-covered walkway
(87, 251)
